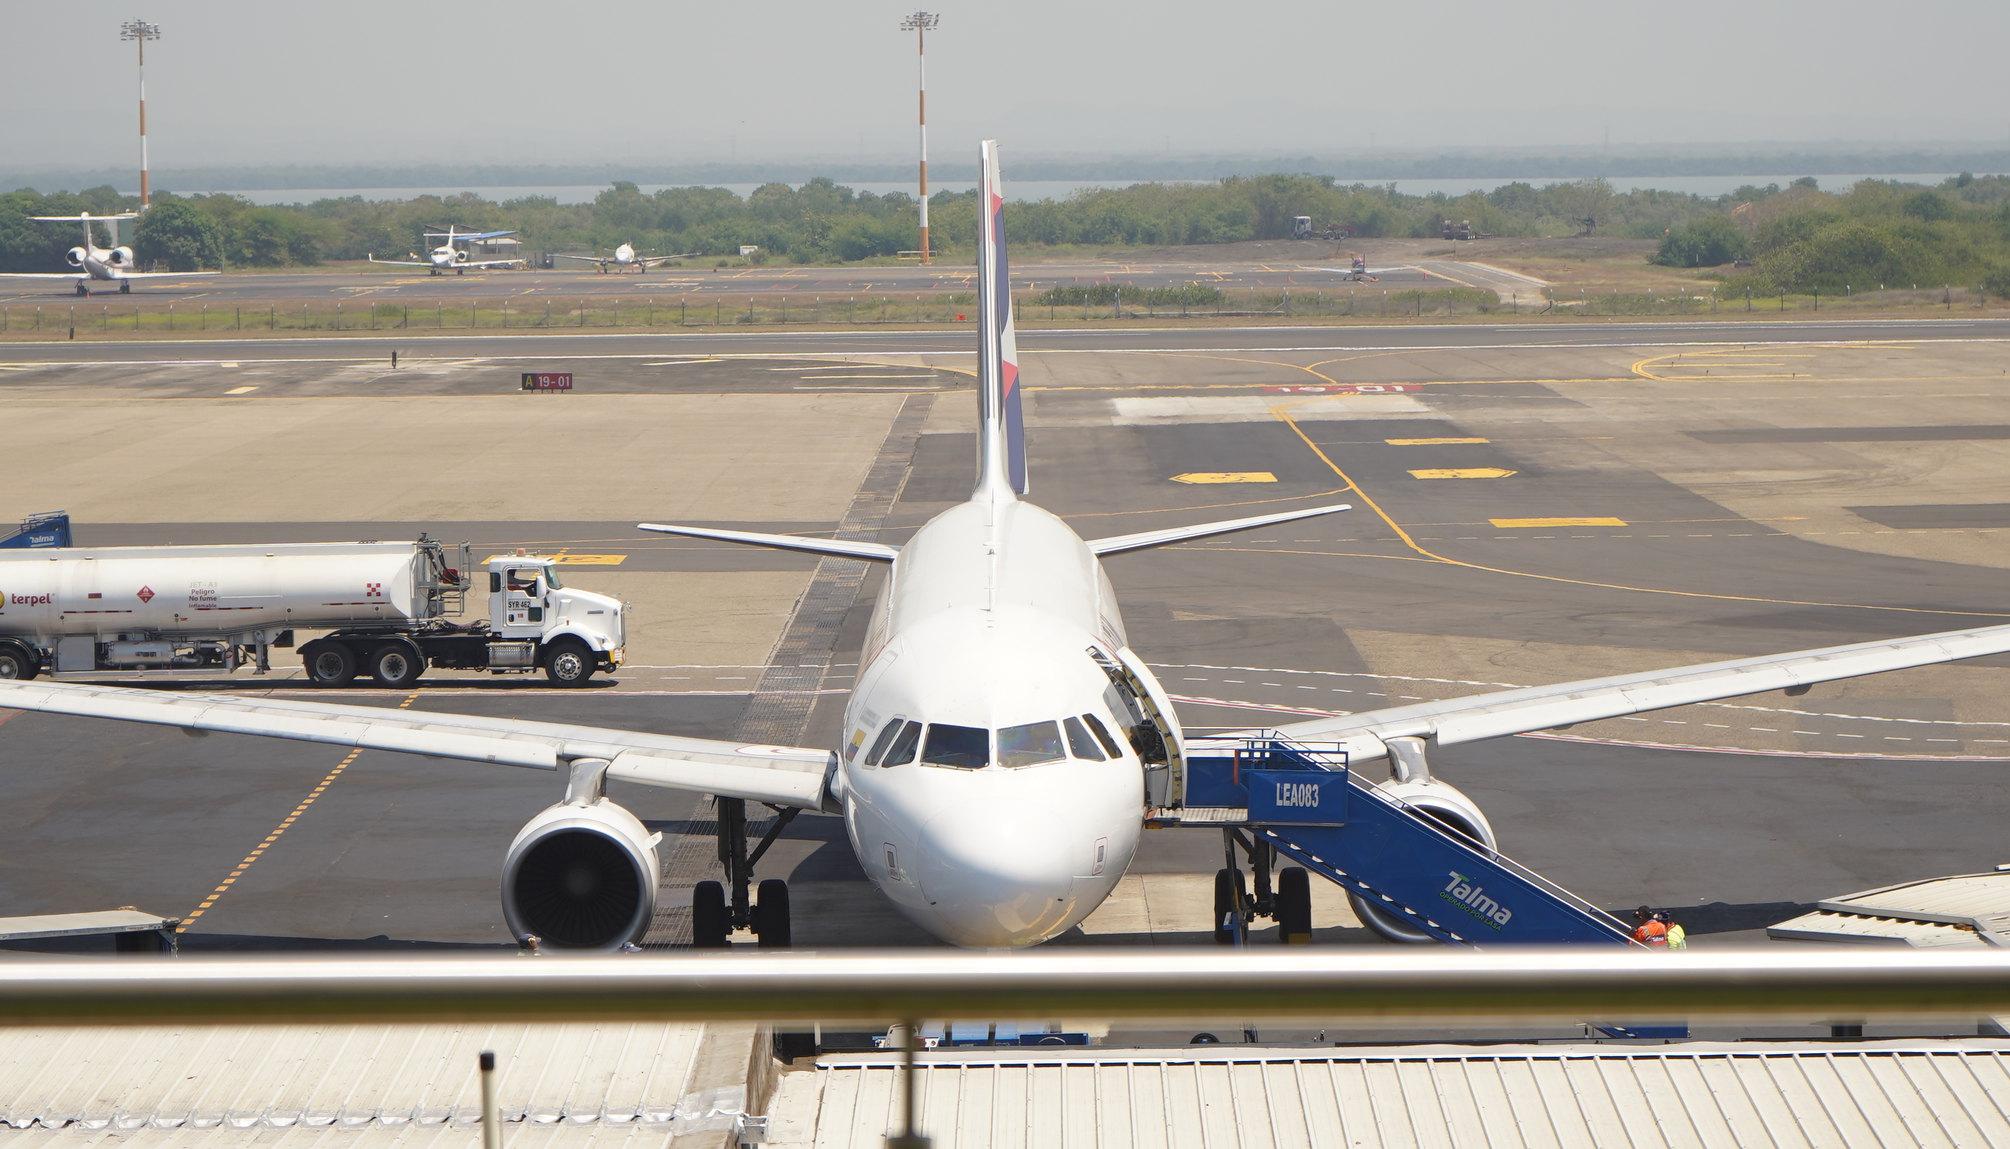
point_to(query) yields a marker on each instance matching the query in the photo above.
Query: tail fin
(1001, 438)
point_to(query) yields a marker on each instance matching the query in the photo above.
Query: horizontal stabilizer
(87, 217)
(836, 548)
(1118, 544)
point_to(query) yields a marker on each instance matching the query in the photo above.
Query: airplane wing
(583, 258)
(836, 548)
(780, 775)
(1492, 715)
(487, 263)
(659, 260)
(164, 274)
(45, 275)
(401, 262)
(1118, 544)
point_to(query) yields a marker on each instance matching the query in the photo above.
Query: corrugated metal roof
(281, 1077)
(1884, 1093)
(1826, 926)
(1980, 900)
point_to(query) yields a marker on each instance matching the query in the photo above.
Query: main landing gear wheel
(569, 663)
(710, 923)
(396, 665)
(771, 915)
(15, 664)
(125, 288)
(330, 664)
(1294, 906)
(1231, 899)
(81, 289)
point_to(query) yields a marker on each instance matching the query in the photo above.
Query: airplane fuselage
(1021, 802)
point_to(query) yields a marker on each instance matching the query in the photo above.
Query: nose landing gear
(1289, 904)
(715, 915)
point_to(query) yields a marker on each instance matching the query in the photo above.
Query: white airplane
(450, 256)
(111, 264)
(992, 770)
(624, 257)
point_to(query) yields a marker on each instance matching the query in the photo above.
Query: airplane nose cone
(1000, 877)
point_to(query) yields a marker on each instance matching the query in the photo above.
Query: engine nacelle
(120, 257)
(76, 256)
(581, 877)
(1449, 807)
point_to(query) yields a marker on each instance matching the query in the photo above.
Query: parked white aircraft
(450, 256)
(997, 749)
(112, 264)
(624, 257)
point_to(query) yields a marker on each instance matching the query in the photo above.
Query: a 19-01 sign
(547, 380)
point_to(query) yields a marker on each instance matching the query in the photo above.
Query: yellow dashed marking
(1587, 521)
(1433, 442)
(223, 887)
(1205, 477)
(1461, 473)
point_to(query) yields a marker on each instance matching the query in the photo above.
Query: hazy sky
(251, 81)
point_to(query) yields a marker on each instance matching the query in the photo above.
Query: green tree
(179, 235)
(1708, 242)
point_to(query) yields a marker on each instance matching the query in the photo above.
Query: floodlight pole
(139, 31)
(920, 22)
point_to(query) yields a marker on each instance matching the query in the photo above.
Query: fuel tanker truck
(385, 610)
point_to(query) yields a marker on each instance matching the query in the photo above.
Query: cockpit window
(879, 744)
(1030, 745)
(965, 746)
(1103, 735)
(902, 750)
(1079, 743)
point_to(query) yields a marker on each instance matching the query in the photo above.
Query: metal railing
(866, 988)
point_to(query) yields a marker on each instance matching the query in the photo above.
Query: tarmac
(1533, 504)
(1303, 266)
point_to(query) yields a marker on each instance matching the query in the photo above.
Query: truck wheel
(568, 663)
(329, 664)
(396, 664)
(16, 663)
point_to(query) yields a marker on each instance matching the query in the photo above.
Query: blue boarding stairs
(48, 529)
(1276, 799)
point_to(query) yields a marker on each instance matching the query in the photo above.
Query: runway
(1301, 266)
(1533, 503)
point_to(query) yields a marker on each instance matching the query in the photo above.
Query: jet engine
(76, 257)
(581, 877)
(120, 257)
(1451, 810)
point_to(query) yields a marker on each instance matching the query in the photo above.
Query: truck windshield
(551, 577)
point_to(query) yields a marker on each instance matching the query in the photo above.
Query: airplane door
(1165, 781)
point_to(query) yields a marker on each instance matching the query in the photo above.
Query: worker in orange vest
(1649, 929)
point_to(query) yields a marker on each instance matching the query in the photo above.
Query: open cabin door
(1154, 728)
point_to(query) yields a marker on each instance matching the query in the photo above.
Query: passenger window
(880, 743)
(1102, 734)
(902, 750)
(1029, 745)
(1079, 743)
(965, 746)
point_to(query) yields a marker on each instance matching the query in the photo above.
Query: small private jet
(451, 256)
(112, 264)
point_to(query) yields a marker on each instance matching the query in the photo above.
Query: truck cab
(573, 632)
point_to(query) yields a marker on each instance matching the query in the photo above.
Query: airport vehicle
(623, 258)
(38, 532)
(450, 256)
(1301, 228)
(1003, 745)
(387, 608)
(112, 264)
